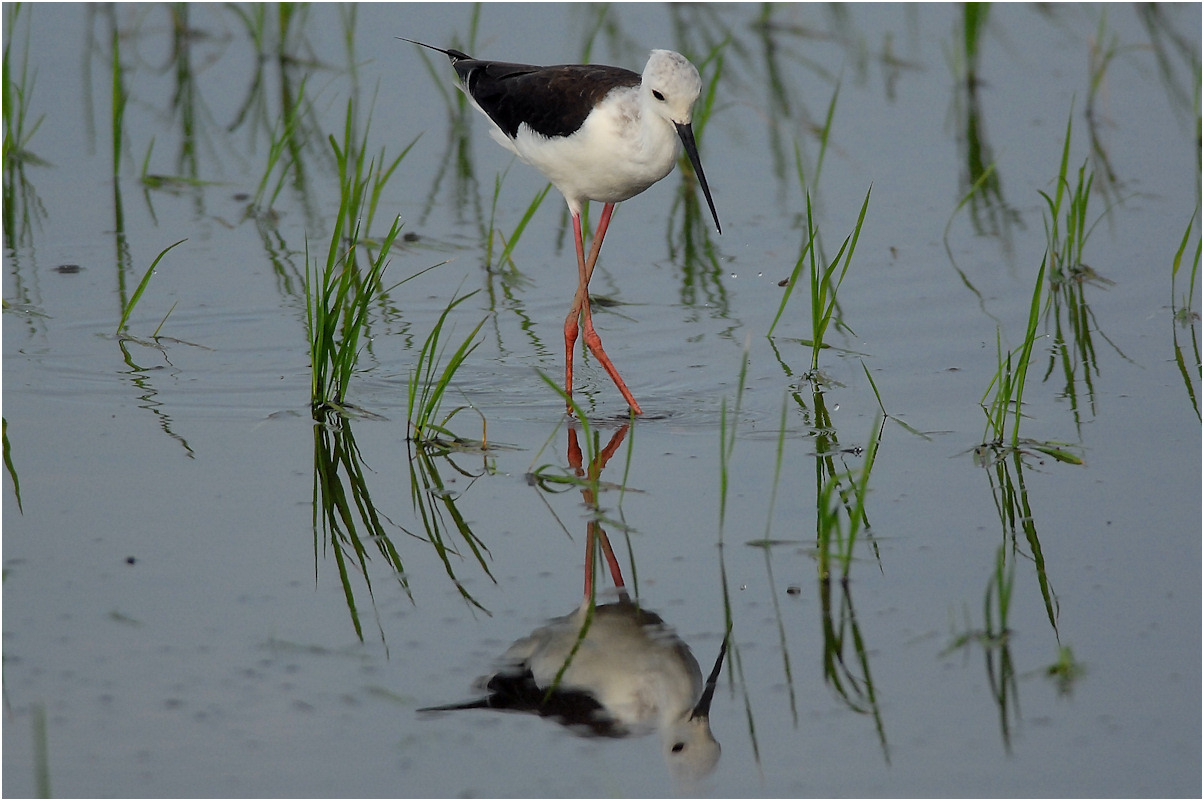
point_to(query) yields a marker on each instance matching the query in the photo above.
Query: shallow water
(178, 620)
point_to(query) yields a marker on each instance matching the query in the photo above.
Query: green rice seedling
(1067, 240)
(1069, 275)
(727, 435)
(277, 34)
(362, 183)
(508, 245)
(885, 414)
(824, 282)
(1010, 376)
(1183, 305)
(1063, 262)
(128, 308)
(337, 302)
(338, 297)
(428, 384)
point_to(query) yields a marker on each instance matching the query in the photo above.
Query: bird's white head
(668, 88)
(690, 749)
(671, 84)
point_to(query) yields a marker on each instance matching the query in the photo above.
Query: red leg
(580, 309)
(571, 321)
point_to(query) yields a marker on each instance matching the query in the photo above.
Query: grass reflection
(22, 207)
(846, 659)
(345, 519)
(840, 517)
(1019, 529)
(994, 638)
(9, 466)
(443, 525)
(348, 525)
(1186, 318)
(981, 183)
(1016, 519)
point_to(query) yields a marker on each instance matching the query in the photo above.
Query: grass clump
(338, 296)
(429, 382)
(1062, 263)
(823, 280)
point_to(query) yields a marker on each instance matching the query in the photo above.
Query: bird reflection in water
(610, 670)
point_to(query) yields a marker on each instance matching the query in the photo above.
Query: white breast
(616, 154)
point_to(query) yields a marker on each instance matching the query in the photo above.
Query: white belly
(612, 157)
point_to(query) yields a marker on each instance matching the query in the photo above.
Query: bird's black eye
(658, 95)
(679, 747)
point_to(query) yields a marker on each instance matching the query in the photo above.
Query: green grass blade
(129, 307)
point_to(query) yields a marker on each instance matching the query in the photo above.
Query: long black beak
(703, 708)
(686, 132)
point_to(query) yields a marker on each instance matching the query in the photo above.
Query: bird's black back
(553, 101)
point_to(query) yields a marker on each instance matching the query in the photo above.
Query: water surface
(181, 617)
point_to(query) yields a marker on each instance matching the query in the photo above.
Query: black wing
(553, 101)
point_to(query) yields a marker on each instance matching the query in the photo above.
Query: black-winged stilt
(597, 133)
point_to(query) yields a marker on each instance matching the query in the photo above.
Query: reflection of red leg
(589, 561)
(615, 573)
(595, 534)
(580, 310)
(575, 453)
(594, 531)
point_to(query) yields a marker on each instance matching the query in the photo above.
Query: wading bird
(597, 133)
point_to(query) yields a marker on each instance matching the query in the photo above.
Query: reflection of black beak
(703, 708)
(686, 132)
